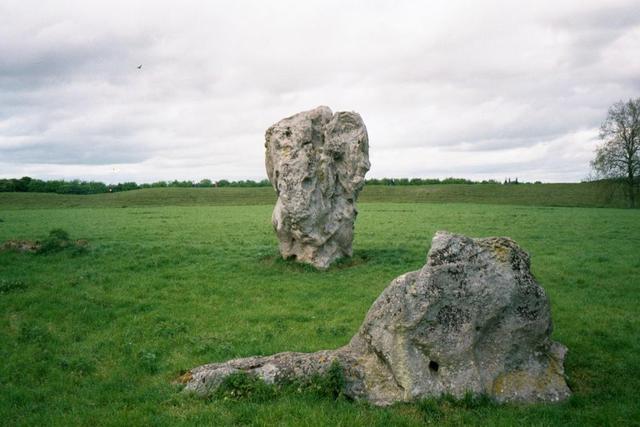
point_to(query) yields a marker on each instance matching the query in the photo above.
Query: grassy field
(576, 195)
(96, 338)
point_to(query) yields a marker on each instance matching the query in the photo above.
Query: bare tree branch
(618, 157)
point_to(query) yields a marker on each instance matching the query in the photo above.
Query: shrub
(7, 185)
(57, 240)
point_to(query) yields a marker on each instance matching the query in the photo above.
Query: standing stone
(316, 161)
(472, 320)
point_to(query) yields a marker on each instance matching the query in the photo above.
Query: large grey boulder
(472, 320)
(316, 161)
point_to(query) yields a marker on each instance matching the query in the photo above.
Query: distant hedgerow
(76, 186)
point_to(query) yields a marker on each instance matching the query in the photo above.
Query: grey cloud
(464, 81)
(30, 66)
(614, 17)
(591, 31)
(88, 151)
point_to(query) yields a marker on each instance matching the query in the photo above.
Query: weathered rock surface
(316, 161)
(473, 319)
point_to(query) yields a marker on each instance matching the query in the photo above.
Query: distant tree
(7, 185)
(125, 186)
(205, 183)
(22, 184)
(452, 180)
(618, 157)
(37, 186)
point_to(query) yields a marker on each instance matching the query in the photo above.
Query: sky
(473, 89)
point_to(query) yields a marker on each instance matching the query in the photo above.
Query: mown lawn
(98, 337)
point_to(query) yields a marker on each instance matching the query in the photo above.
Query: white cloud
(472, 89)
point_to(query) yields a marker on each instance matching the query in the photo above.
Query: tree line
(76, 186)
(34, 185)
(425, 181)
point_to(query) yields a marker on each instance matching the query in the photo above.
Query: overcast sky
(466, 89)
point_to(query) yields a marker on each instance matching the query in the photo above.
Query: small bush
(57, 240)
(59, 233)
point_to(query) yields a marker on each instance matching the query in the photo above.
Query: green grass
(582, 195)
(96, 338)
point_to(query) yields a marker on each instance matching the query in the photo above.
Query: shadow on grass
(371, 256)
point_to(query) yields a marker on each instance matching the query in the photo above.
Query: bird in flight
(140, 67)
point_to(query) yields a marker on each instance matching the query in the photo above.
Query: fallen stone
(316, 161)
(472, 320)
